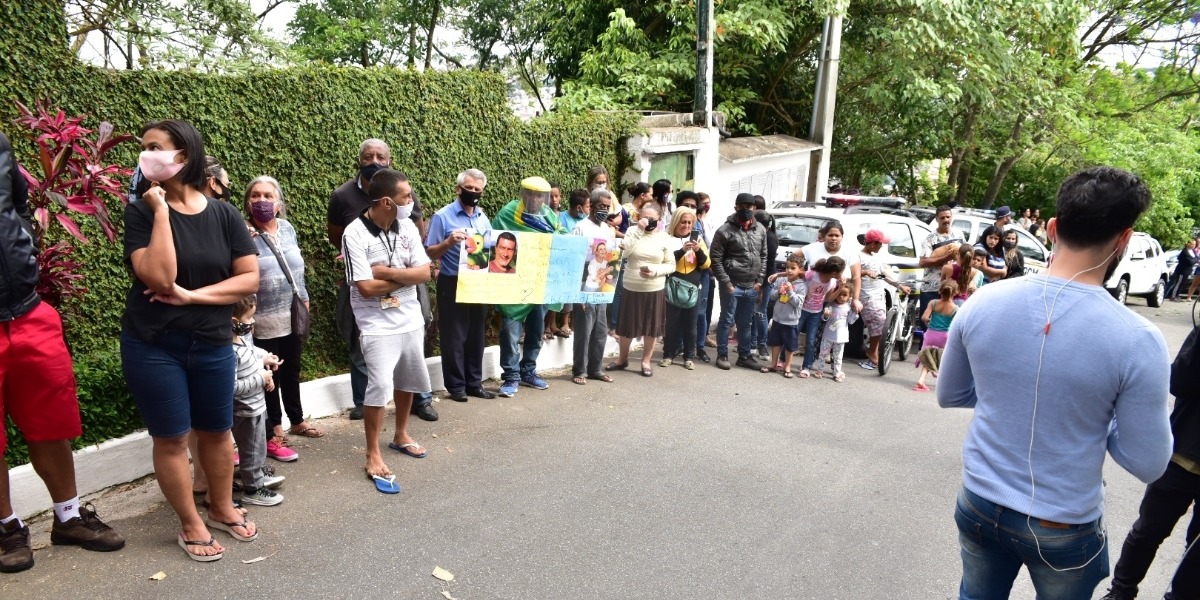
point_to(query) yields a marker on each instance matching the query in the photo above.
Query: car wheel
(1155, 298)
(1122, 291)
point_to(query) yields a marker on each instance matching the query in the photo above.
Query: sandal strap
(210, 543)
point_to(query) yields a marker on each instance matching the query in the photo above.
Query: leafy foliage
(302, 126)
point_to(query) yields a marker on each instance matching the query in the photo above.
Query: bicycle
(898, 327)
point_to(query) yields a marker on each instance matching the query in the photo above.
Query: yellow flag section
(510, 267)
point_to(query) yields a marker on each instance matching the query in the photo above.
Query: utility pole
(821, 127)
(702, 106)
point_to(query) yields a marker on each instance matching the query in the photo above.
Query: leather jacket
(18, 255)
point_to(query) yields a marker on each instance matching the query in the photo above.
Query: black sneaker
(356, 413)
(1116, 595)
(16, 553)
(86, 531)
(424, 412)
(480, 393)
(748, 362)
(459, 396)
(723, 362)
(702, 355)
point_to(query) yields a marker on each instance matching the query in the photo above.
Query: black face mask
(745, 214)
(224, 193)
(1009, 245)
(470, 198)
(368, 171)
(651, 224)
(240, 328)
(600, 215)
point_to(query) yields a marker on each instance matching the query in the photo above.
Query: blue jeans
(736, 307)
(423, 399)
(518, 360)
(702, 313)
(760, 322)
(995, 541)
(180, 383)
(810, 326)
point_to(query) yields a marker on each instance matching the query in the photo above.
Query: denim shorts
(180, 383)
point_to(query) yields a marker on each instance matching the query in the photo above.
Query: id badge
(387, 302)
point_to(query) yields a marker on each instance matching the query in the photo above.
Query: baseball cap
(872, 236)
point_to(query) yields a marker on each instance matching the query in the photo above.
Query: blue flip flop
(386, 485)
(405, 448)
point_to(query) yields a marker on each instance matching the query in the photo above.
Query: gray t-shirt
(273, 316)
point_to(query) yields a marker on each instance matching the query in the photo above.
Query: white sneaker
(272, 482)
(261, 497)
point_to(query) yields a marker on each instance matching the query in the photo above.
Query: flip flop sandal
(647, 372)
(562, 334)
(404, 448)
(184, 543)
(787, 374)
(579, 380)
(385, 484)
(616, 366)
(601, 377)
(920, 388)
(765, 370)
(308, 432)
(548, 336)
(228, 528)
(804, 373)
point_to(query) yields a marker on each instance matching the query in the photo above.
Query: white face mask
(404, 212)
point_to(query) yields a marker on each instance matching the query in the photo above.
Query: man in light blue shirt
(461, 326)
(1058, 373)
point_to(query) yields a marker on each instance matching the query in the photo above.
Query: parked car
(1143, 271)
(797, 227)
(972, 222)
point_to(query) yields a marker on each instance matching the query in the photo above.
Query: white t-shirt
(589, 229)
(816, 251)
(365, 245)
(872, 287)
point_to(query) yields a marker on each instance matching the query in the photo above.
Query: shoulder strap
(287, 271)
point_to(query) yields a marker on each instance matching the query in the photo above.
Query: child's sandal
(818, 374)
(804, 373)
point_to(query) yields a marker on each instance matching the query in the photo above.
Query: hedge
(299, 125)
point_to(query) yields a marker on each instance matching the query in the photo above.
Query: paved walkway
(704, 484)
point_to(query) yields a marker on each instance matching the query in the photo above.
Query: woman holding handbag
(683, 288)
(281, 322)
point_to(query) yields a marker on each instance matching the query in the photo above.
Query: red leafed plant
(74, 178)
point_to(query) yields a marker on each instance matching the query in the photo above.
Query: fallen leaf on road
(159, 576)
(443, 574)
(448, 596)
(449, 450)
(253, 560)
(435, 435)
(333, 472)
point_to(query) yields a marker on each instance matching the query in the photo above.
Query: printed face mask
(262, 212)
(240, 328)
(159, 165)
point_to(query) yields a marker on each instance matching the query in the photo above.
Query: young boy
(788, 292)
(254, 376)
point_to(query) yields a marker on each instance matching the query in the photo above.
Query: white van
(972, 222)
(1142, 271)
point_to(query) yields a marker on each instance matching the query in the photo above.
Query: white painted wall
(776, 178)
(704, 143)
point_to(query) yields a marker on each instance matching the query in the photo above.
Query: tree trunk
(1006, 165)
(964, 180)
(959, 155)
(412, 46)
(364, 58)
(433, 20)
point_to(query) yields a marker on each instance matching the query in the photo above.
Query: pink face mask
(159, 165)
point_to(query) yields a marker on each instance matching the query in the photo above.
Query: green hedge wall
(301, 126)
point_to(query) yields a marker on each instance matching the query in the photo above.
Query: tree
(365, 34)
(218, 35)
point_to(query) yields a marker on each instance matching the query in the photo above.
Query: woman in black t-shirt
(191, 258)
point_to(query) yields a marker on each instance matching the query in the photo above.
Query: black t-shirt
(349, 201)
(206, 245)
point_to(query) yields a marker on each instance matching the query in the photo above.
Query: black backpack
(1185, 371)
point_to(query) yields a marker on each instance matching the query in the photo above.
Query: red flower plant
(74, 179)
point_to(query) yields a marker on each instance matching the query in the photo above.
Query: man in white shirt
(385, 261)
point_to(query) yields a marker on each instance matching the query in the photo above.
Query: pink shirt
(815, 300)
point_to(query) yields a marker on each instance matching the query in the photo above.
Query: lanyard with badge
(389, 243)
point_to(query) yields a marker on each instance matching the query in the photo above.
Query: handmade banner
(517, 267)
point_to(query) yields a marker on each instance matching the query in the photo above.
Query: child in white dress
(838, 318)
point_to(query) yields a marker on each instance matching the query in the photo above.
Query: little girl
(938, 316)
(821, 284)
(965, 273)
(788, 293)
(837, 333)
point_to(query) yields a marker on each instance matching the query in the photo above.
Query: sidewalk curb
(126, 459)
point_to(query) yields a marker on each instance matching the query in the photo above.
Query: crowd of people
(217, 317)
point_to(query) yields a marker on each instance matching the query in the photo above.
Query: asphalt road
(704, 484)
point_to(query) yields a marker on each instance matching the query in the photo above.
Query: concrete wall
(123, 460)
(776, 178)
(664, 140)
